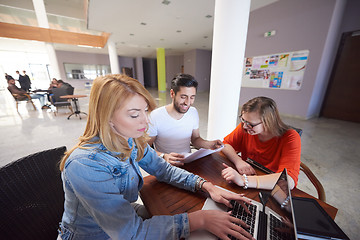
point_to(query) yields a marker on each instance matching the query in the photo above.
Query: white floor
(331, 148)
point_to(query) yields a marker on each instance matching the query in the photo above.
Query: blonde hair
(109, 93)
(269, 114)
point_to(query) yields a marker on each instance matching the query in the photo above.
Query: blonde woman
(101, 174)
(265, 138)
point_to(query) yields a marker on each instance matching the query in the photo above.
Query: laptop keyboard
(238, 211)
(276, 224)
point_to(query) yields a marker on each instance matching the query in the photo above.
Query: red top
(276, 154)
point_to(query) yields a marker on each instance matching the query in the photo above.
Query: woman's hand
(218, 223)
(244, 167)
(222, 196)
(231, 175)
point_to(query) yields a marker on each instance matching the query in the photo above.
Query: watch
(162, 155)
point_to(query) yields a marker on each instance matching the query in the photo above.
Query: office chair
(311, 176)
(61, 102)
(25, 97)
(32, 196)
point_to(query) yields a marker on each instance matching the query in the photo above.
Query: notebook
(266, 223)
(312, 221)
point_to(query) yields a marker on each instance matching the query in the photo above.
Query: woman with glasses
(263, 137)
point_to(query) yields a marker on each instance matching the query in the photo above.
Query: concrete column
(160, 53)
(41, 17)
(114, 59)
(139, 70)
(229, 40)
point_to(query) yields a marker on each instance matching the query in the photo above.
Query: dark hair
(60, 81)
(183, 80)
(269, 114)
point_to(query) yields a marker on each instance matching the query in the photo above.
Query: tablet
(312, 221)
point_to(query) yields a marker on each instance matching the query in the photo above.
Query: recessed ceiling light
(205, 36)
(166, 2)
(208, 16)
(178, 31)
(143, 23)
(131, 34)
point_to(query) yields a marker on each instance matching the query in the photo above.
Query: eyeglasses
(249, 124)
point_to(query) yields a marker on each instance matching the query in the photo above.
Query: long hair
(269, 114)
(108, 93)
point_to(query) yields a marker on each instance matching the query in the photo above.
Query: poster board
(276, 71)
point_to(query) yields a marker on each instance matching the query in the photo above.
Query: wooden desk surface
(164, 199)
(73, 96)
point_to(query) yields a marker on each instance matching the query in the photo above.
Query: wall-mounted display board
(276, 71)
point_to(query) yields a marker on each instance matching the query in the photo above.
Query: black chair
(61, 102)
(31, 196)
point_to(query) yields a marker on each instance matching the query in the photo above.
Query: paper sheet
(202, 152)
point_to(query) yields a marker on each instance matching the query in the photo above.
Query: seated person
(53, 84)
(265, 138)
(15, 90)
(174, 126)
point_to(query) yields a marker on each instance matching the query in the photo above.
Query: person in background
(101, 174)
(24, 81)
(53, 84)
(173, 127)
(15, 90)
(265, 138)
(8, 77)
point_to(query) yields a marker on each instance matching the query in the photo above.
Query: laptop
(265, 222)
(312, 221)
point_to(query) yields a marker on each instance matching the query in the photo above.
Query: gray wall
(173, 66)
(81, 58)
(198, 63)
(299, 25)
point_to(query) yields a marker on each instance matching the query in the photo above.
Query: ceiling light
(131, 34)
(143, 23)
(205, 36)
(186, 43)
(166, 2)
(178, 31)
(208, 16)
(161, 39)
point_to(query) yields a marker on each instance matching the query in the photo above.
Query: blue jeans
(40, 97)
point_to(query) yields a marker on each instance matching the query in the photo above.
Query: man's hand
(175, 159)
(213, 144)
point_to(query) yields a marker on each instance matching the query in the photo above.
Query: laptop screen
(280, 201)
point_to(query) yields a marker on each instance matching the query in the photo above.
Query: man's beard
(179, 110)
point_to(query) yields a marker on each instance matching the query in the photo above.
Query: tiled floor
(331, 148)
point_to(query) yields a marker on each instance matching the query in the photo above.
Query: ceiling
(137, 27)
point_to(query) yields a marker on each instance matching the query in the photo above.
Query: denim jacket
(99, 188)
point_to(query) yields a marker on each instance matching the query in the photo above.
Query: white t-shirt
(172, 135)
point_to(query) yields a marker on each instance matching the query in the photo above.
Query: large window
(85, 71)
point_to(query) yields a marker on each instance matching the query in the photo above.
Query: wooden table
(164, 199)
(75, 100)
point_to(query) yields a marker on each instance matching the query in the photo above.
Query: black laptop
(312, 221)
